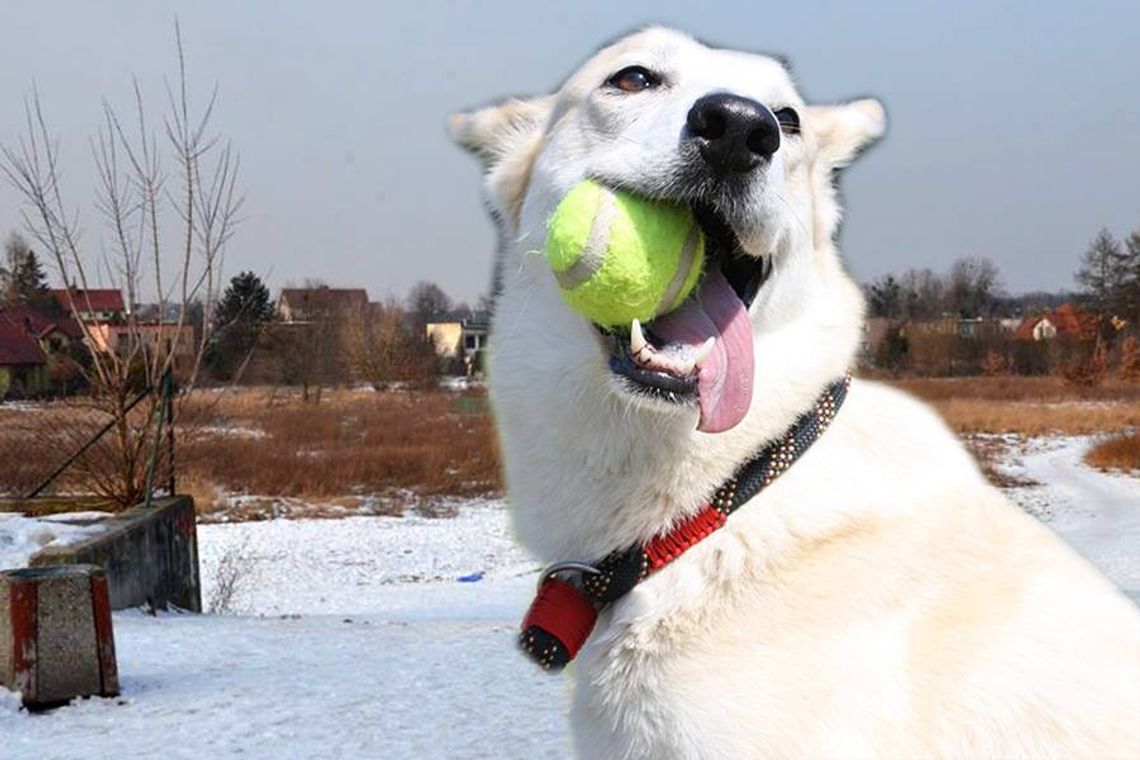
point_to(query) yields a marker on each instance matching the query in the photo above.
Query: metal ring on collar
(561, 567)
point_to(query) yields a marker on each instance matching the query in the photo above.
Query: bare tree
(425, 301)
(924, 294)
(169, 203)
(379, 348)
(973, 286)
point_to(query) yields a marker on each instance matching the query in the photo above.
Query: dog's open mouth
(702, 350)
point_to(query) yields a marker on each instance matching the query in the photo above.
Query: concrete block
(56, 639)
(150, 555)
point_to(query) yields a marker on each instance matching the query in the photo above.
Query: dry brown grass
(1120, 452)
(1016, 388)
(362, 452)
(1029, 405)
(1030, 419)
(352, 442)
(403, 446)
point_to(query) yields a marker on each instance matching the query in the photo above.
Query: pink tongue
(724, 381)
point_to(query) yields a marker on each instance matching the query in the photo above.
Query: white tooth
(703, 352)
(637, 342)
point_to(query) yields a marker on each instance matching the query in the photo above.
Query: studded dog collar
(563, 613)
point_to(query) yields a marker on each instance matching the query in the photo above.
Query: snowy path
(1097, 514)
(356, 639)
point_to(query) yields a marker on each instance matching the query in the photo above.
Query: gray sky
(1015, 126)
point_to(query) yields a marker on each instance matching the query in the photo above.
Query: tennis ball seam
(618, 257)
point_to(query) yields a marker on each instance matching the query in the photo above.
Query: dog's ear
(843, 131)
(493, 132)
(506, 138)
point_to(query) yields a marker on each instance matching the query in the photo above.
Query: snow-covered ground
(21, 537)
(1097, 513)
(357, 637)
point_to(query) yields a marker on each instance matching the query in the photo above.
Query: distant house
(95, 305)
(23, 364)
(1066, 321)
(28, 340)
(1009, 324)
(53, 331)
(460, 335)
(310, 304)
(875, 332)
(147, 338)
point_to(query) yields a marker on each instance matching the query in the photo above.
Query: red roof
(1069, 321)
(17, 347)
(104, 299)
(40, 324)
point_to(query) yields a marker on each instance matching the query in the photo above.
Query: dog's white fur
(880, 599)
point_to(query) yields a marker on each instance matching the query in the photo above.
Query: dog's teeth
(637, 341)
(703, 352)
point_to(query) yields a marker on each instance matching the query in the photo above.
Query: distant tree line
(1109, 276)
(963, 322)
(374, 343)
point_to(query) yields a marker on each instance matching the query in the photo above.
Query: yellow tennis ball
(618, 257)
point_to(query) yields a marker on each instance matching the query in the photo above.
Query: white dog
(880, 599)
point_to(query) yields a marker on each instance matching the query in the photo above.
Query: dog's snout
(733, 134)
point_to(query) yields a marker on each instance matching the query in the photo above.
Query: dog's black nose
(733, 134)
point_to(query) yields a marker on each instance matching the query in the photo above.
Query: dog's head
(660, 115)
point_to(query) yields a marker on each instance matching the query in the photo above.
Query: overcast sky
(1014, 134)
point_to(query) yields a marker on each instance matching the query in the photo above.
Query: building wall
(24, 379)
(112, 338)
(446, 336)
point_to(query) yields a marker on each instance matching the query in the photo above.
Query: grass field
(245, 453)
(1029, 405)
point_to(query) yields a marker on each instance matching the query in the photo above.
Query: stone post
(56, 641)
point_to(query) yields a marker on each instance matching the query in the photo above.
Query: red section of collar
(564, 612)
(664, 549)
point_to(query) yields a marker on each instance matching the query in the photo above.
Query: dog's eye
(634, 79)
(789, 121)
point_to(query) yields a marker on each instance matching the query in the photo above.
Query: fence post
(168, 400)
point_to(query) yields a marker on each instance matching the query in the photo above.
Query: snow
(1096, 513)
(366, 564)
(356, 637)
(21, 537)
(232, 431)
(306, 687)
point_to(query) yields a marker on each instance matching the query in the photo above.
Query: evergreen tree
(1130, 295)
(238, 319)
(1102, 273)
(886, 298)
(24, 280)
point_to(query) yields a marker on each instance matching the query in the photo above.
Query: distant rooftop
(95, 299)
(322, 298)
(467, 317)
(38, 323)
(16, 346)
